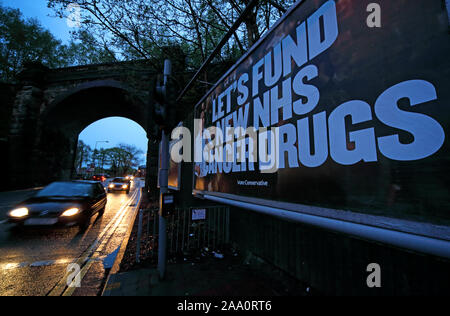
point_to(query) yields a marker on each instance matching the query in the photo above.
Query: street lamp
(95, 149)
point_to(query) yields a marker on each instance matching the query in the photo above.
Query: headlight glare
(71, 212)
(19, 212)
(124, 186)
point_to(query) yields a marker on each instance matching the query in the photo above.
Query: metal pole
(163, 178)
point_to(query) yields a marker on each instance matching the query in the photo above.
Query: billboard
(329, 110)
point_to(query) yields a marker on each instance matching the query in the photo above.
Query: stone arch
(62, 120)
(49, 107)
(135, 109)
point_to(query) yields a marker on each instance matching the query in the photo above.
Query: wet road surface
(40, 261)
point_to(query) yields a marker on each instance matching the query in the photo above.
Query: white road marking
(46, 263)
(95, 250)
(92, 254)
(2, 222)
(43, 263)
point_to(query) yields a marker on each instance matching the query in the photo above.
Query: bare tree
(83, 155)
(141, 28)
(123, 159)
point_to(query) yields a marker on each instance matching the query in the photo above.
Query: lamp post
(95, 149)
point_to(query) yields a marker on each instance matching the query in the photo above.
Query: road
(40, 261)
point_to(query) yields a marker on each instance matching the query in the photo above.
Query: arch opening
(70, 114)
(113, 146)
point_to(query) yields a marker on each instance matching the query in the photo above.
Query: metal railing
(185, 233)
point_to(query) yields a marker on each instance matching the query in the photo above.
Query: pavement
(227, 277)
(186, 280)
(198, 272)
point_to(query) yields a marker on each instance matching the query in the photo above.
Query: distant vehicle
(100, 177)
(119, 184)
(61, 203)
(141, 171)
(129, 177)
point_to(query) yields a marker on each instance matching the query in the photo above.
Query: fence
(188, 230)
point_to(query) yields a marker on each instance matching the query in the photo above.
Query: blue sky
(116, 130)
(38, 9)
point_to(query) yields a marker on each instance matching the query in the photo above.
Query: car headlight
(19, 212)
(71, 212)
(111, 186)
(124, 186)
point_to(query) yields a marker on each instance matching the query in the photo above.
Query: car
(100, 177)
(62, 203)
(129, 177)
(119, 184)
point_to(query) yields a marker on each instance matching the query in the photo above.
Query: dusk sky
(116, 130)
(38, 9)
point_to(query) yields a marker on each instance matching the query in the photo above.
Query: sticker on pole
(198, 214)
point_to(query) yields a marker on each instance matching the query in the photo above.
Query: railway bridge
(50, 107)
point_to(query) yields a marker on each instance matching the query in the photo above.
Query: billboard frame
(390, 225)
